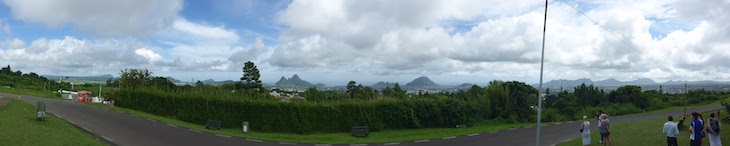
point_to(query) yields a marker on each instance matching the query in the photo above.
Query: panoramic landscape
(340, 72)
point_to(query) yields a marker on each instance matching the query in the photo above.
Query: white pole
(99, 91)
(542, 60)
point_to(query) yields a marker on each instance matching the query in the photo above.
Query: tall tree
(351, 88)
(251, 76)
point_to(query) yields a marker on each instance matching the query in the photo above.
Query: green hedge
(303, 116)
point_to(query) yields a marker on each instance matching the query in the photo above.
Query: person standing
(695, 129)
(600, 114)
(585, 128)
(671, 130)
(605, 129)
(713, 128)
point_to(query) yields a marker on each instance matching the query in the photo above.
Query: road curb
(97, 137)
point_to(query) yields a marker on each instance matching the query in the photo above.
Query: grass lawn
(28, 92)
(18, 126)
(648, 132)
(334, 138)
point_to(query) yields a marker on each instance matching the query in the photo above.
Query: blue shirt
(670, 129)
(697, 129)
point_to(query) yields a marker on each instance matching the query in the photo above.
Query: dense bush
(302, 116)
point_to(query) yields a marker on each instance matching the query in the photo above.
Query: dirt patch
(4, 101)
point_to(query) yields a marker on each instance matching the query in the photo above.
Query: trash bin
(41, 111)
(245, 126)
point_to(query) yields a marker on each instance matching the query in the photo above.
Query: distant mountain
(640, 81)
(568, 83)
(381, 85)
(609, 82)
(208, 81)
(99, 78)
(284, 82)
(173, 80)
(675, 82)
(466, 85)
(614, 82)
(422, 81)
(293, 81)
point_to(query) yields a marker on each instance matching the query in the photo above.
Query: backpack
(714, 124)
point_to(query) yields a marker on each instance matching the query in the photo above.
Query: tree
(351, 88)
(369, 93)
(629, 94)
(6, 70)
(387, 91)
(312, 94)
(133, 78)
(251, 76)
(398, 92)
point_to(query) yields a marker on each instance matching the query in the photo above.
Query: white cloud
(200, 33)
(417, 37)
(101, 17)
(152, 56)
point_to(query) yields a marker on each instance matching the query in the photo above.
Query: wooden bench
(360, 131)
(41, 111)
(213, 124)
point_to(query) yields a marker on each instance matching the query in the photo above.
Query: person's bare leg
(609, 140)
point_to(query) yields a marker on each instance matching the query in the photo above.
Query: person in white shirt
(585, 129)
(600, 113)
(670, 129)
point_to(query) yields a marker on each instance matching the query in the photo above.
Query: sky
(335, 41)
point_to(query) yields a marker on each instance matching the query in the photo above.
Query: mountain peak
(422, 81)
(293, 81)
(382, 84)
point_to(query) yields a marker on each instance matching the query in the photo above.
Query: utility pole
(542, 60)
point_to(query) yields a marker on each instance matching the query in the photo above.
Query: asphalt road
(119, 128)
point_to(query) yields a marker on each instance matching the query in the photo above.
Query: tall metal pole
(542, 60)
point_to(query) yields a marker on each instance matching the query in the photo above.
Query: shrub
(303, 116)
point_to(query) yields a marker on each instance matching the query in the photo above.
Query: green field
(18, 126)
(648, 132)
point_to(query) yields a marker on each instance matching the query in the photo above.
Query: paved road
(125, 129)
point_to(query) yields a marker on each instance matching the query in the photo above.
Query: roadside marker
(287, 143)
(256, 140)
(473, 134)
(449, 137)
(171, 125)
(226, 136)
(421, 140)
(392, 143)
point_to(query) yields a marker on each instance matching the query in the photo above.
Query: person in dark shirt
(695, 129)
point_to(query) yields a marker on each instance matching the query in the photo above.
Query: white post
(539, 94)
(99, 91)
